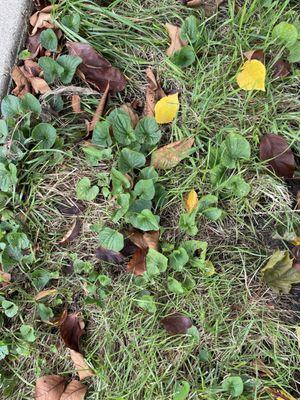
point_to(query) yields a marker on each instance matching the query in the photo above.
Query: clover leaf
(27, 333)
(85, 191)
(122, 126)
(52, 70)
(101, 135)
(10, 308)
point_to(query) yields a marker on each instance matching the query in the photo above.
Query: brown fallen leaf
(5, 277)
(176, 42)
(275, 149)
(74, 391)
(45, 293)
(22, 84)
(262, 368)
(71, 330)
(75, 103)
(137, 264)
(170, 155)
(132, 114)
(100, 109)
(39, 85)
(281, 69)
(280, 394)
(33, 44)
(60, 319)
(95, 69)
(72, 233)
(31, 68)
(176, 324)
(255, 55)
(144, 240)
(298, 200)
(30, 73)
(82, 368)
(110, 256)
(49, 387)
(41, 20)
(209, 6)
(154, 93)
(72, 207)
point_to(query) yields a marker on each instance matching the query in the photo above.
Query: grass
(240, 321)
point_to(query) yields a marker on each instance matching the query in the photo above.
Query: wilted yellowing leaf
(166, 109)
(296, 241)
(280, 394)
(252, 76)
(169, 156)
(191, 201)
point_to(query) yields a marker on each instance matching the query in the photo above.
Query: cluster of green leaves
(288, 35)
(224, 160)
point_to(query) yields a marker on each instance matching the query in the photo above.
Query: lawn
(242, 324)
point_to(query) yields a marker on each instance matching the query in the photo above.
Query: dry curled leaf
(49, 387)
(45, 293)
(72, 233)
(166, 109)
(137, 264)
(82, 368)
(176, 324)
(41, 20)
(281, 69)
(191, 201)
(95, 69)
(74, 391)
(22, 84)
(75, 103)
(262, 368)
(100, 109)
(176, 42)
(209, 6)
(252, 76)
(275, 150)
(170, 155)
(280, 394)
(154, 93)
(71, 330)
(255, 55)
(72, 208)
(132, 114)
(5, 278)
(144, 240)
(110, 256)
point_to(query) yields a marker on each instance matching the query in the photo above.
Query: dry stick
(68, 90)
(99, 110)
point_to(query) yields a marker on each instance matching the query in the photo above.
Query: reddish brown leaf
(170, 155)
(41, 19)
(60, 319)
(71, 330)
(114, 257)
(5, 277)
(49, 387)
(74, 208)
(255, 55)
(281, 69)
(144, 240)
(99, 110)
(74, 391)
(22, 84)
(298, 200)
(275, 150)
(72, 233)
(209, 6)
(39, 85)
(176, 42)
(81, 366)
(296, 252)
(75, 103)
(137, 264)
(31, 69)
(95, 69)
(154, 93)
(132, 114)
(176, 324)
(33, 44)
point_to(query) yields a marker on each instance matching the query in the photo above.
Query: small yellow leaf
(191, 201)
(166, 109)
(252, 76)
(296, 241)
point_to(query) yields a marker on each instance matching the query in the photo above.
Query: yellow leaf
(169, 156)
(296, 241)
(45, 293)
(280, 394)
(252, 76)
(191, 201)
(166, 109)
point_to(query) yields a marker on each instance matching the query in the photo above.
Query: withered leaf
(75, 208)
(296, 252)
(33, 44)
(71, 330)
(255, 55)
(75, 103)
(41, 19)
(100, 109)
(45, 293)
(137, 264)
(31, 68)
(281, 69)
(176, 42)
(170, 155)
(275, 150)
(110, 256)
(144, 240)
(74, 391)
(154, 93)
(49, 387)
(5, 278)
(176, 324)
(95, 69)
(209, 6)
(82, 368)
(39, 85)
(72, 233)
(22, 84)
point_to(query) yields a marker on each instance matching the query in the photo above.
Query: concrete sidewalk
(13, 23)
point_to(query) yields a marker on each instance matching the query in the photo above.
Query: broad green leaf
(181, 391)
(234, 147)
(8, 177)
(11, 106)
(85, 191)
(45, 312)
(147, 131)
(4, 131)
(238, 186)
(145, 220)
(279, 272)
(139, 205)
(27, 333)
(178, 259)
(189, 31)
(45, 134)
(207, 201)
(31, 103)
(120, 182)
(285, 33)
(175, 286)
(194, 334)
(10, 308)
(49, 40)
(123, 201)
(213, 213)
(187, 223)
(41, 277)
(24, 54)
(111, 239)
(188, 284)
(147, 303)
(156, 262)
(233, 385)
(4, 351)
(184, 57)
(130, 159)
(95, 155)
(52, 70)
(122, 126)
(69, 65)
(101, 135)
(18, 239)
(72, 21)
(82, 267)
(294, 50)
(149, 173)
(144, 189)
(191, 246)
